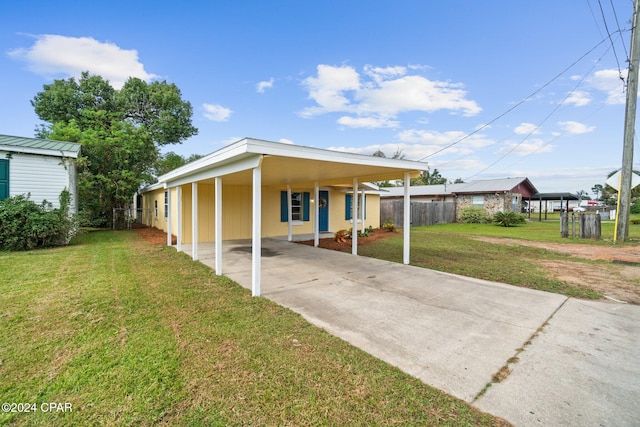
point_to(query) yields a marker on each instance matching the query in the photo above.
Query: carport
(258, 165)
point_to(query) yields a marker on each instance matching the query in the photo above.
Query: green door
(4, 179)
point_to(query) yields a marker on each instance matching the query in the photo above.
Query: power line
(519, 103)
(606, 27)
(615, 15)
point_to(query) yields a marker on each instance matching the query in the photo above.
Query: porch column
(406, 227)
(194, 220)
(179, 225)
(256, 251)
(168, 190)
(364, 209)
(316, 215)
(289, 214)
(354, 218)
(218, 225)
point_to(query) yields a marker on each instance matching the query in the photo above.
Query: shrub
(25, 225)
(389, 226)
(507, 219)
(474, 215)
(635, 207)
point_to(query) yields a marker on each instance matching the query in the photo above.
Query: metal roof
(46, 147)
(480, 186)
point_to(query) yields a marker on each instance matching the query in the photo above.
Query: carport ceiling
(282, 171)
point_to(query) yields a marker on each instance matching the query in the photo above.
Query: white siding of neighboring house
(44, 177)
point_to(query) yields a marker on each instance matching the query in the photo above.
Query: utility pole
(624, 192)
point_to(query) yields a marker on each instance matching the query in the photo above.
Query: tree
(170, 161)
(597, 190)
(429, 177)
(582, 195)
(121, 132)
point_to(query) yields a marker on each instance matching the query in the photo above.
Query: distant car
(579, 209)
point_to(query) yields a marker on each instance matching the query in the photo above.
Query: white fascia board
(239, 165)
(39, 151)
(302, 152)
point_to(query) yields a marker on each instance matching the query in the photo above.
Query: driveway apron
(455, 333)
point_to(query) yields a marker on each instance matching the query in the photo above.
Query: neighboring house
(255, 189)
(494, 195)
(39, 167)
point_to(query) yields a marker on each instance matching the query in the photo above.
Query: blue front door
(323, 207)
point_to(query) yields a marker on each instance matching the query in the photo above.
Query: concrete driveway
(571, 362)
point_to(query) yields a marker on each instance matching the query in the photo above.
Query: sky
(477, 89)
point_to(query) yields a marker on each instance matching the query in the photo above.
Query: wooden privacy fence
(422, 213)
(589, 225)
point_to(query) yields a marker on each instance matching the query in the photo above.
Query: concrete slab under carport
(451, 332)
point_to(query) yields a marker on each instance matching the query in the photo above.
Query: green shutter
(306, 197)
(4, 179)
(347, 203)
(284, 207)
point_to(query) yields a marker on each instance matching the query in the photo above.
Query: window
(155, 208)
(299, 206)
(514, 204)
(348, 208)
(166, 204)
(477, 201)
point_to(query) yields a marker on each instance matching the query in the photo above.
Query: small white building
(40, 167)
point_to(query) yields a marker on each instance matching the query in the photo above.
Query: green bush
(507, 219)
(25, 225)
(474, 215)
(635, 207)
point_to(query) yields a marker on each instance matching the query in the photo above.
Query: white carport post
(354, 218)
(168, 190)
(406, 226)
(218, 225)
(316, 213)
(289, 214)
(194, 220)
(362, 204)
(256, 251)
(179, 225)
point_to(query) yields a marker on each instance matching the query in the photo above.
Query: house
(253, 189)
(494, 195)
(39, 167)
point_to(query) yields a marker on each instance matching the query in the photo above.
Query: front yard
(129, 333)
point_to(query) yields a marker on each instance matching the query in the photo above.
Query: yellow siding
(237, 212)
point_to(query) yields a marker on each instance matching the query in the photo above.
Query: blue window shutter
(365, 206)
(306, 197)
(284, 207)
(347, 203)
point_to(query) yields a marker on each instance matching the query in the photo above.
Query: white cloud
(264, 85)
(54, 55)
(216, 113)
(287, 141)
(526, 129)
(380, 94)
(578, 98)
(367, 122)
(433, 141)
(609, 82)
(525, 148)
(575, 128)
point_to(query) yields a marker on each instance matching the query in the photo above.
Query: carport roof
(554, 196)
(287, 164)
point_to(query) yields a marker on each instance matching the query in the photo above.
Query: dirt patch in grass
(618, 278)
(153, 235)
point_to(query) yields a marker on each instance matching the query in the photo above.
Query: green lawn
(134, 334)
(453, 248)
